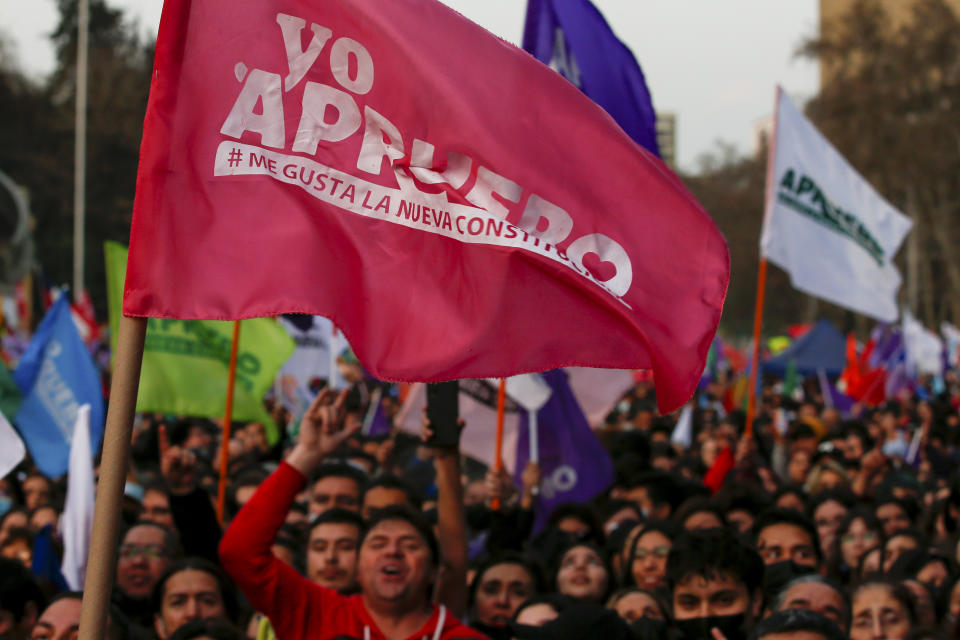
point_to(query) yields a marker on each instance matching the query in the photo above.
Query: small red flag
(454, 206)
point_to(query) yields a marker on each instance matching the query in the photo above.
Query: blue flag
(572, 37)
(574, 466)
(56, 375)
(45, 564)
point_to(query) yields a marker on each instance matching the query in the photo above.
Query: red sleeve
(272, 587)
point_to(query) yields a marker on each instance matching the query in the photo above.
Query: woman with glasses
(859, 532)
(647, 567)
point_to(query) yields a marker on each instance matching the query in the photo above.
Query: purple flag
(379, 425)
(838, 400)
(889, 353)
(888, 349)
(572, 37)
(574, 466)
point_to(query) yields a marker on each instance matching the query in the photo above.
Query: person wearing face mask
(787, 543)
(539, 610)
(580, 621)
(645, 612)
(797, 624)
(783, 535)
(817, 594)
(716, 585)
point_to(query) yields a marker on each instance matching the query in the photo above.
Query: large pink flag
(456, 207)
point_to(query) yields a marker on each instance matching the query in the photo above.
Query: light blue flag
(56, 375)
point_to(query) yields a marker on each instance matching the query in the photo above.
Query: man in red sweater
(396, 566)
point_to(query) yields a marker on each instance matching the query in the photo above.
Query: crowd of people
(812, 525)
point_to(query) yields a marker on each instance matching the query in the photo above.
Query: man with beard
(396, 565)
(715, 581)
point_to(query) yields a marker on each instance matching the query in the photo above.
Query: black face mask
(700, 628)
(649, 628)
(494, 633)
(778, 574)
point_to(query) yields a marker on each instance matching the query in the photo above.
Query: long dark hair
(838, 570)
(896, 589)
(665, 527)
(505, 557)
(228, 592)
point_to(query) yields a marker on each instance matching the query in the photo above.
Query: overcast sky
(714, 63)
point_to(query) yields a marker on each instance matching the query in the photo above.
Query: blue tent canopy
(822, 348)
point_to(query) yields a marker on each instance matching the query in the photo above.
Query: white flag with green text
(825, 225)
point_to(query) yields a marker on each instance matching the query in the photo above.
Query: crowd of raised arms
(815, 525)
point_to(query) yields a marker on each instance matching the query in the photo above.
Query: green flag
(10, 397)
(185, 362)
(790, 378)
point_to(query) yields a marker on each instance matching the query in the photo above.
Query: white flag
(478, 408)
(683, 431)
(77, 521)
(825, 225)
(529, 390)
(599, 390)
(923, 348)
(12, 450)
(951, 335)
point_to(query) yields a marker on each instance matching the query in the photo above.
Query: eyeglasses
(148, 551)
(866, 536)
(660, 552)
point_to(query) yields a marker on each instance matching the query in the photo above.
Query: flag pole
(498, 455)
(80, 148)
(227, 421)
(825, 388)
(101, 561)
(761, 277)
(534, 437)
(755, 356)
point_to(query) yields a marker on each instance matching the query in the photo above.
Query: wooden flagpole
(498, 459)
(755, 356)
(101, 560)
(761, 278)
(227, 421)
(80, 148)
